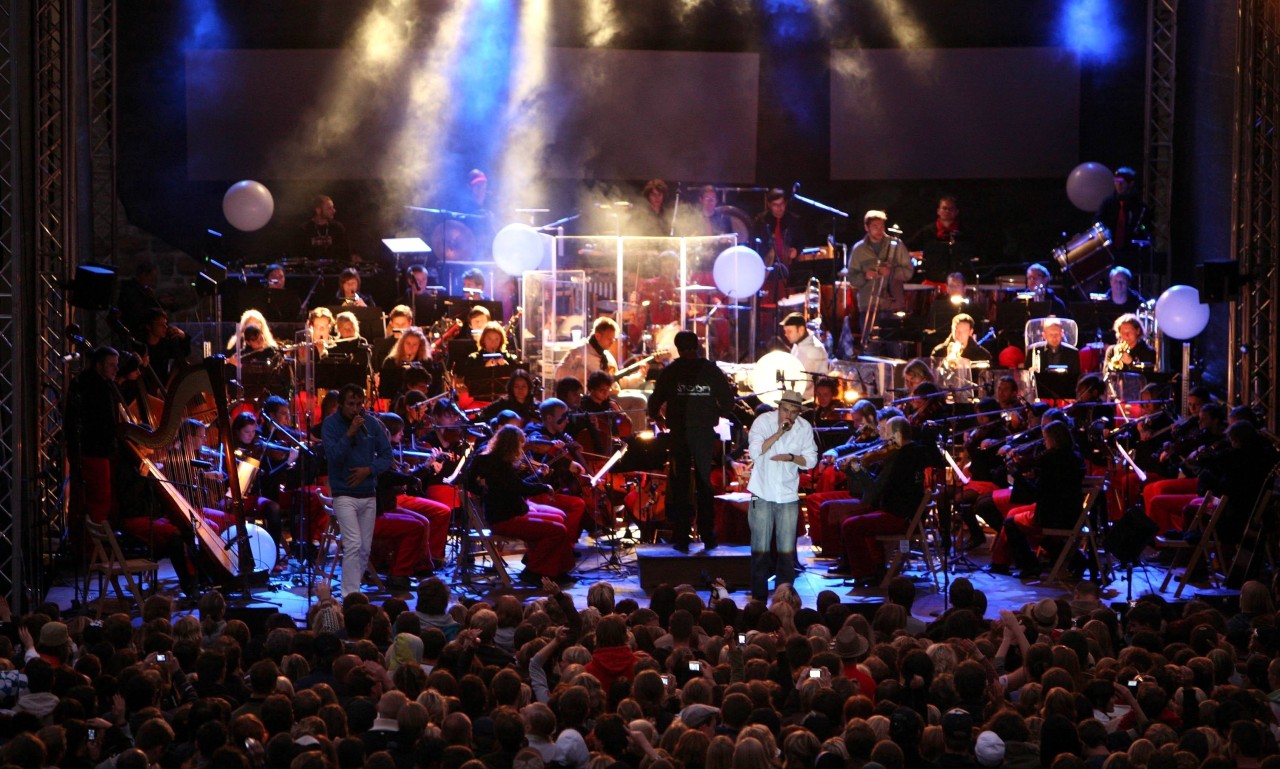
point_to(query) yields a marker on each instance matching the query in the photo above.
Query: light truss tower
(1256, 201)
(1157, 171)
(15, 32)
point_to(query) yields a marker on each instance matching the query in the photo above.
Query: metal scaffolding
(1157, 171)
(1256, 201)
(14, 31)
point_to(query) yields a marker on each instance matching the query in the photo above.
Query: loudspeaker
(93, 287)
(660, 563)
(1218, 280)
(253, 616)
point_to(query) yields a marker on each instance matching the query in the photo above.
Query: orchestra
(1010, 397)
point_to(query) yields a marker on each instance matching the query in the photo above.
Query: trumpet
(1119, 350)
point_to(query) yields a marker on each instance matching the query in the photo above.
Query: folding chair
(107, 561)
(476, 528)
(915, 534)
(1207, 547)
(1082, 533)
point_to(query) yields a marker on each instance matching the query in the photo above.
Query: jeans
(355, 516)
(691, 452)
(772, 522)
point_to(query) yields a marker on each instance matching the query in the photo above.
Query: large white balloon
(1180, 313)
(738, 272)
(248, 205)
(519, 247)
(1089, 184)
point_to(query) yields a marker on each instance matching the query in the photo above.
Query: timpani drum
(1086, 256)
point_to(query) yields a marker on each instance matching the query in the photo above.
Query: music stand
(407, 251)
(370, 319)
(332, 375)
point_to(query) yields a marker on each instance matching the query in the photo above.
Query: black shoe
(976, 540)
(529, 577)
(709, 544)
(839, 569)
(998, 568)
(565, 579)
(680, 547)
(397, 584)
(873, 580)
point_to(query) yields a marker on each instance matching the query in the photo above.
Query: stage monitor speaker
(93, 287)
(253, 615)
(1218, 280)
(660, 563)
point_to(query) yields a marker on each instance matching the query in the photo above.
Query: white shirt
(779, 481)
(813, 356)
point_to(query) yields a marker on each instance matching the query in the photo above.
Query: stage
(287, 593)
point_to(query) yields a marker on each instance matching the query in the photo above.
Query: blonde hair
(355, 324)
(424, 350)
(252, 318)
(1130, 319)
(320, 312)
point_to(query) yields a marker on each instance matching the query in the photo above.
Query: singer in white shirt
(781, 443)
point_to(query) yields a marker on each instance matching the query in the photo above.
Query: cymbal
(696, 287)
(795, 300)
(878, 359)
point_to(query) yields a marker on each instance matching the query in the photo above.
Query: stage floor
(288, 592)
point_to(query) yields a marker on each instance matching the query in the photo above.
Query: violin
(870, 455)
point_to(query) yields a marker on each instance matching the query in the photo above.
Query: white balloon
(248, 205)
(519, 247)
(738, 272)
(1089, 184)
(1180, 313)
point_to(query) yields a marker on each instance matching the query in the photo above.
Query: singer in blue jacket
(358, 450)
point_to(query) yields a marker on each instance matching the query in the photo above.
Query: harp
(166, 455)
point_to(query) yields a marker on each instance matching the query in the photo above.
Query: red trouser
(1023, 517)
(543, 530)
(437, 515)
(317, 517)
(573, 508)
(1169, 510)
(824, 519)
(402, 536)
(98, 498)
(1154, 489)
(444, 494)
(829, 479)
(859, 533)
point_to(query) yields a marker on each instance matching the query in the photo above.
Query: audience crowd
(687, 682)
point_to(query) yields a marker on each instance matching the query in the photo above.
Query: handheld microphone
(364, 428)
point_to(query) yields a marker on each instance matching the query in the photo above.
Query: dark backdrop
(1025, 216)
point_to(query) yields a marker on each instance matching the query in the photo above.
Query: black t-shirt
(696, 393)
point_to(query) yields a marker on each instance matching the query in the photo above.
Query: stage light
(1089, 28)
(903, 25)
(207, 27)
(851, 396)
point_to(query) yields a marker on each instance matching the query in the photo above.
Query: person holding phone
(781, 443)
